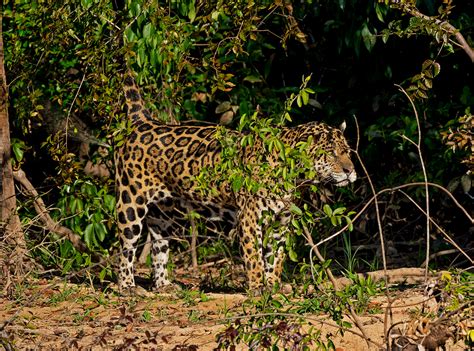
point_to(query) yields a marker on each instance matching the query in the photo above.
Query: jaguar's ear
(342, 127)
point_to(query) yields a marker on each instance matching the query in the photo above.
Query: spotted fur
(155, 170)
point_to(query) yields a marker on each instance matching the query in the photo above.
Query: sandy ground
(60, 316)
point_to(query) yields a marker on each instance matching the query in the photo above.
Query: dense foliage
(217, 61)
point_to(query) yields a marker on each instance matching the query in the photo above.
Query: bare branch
(43, 213)
(447, 237)
(320, 257)
(425, 177)
(377, 211)
(369, 202)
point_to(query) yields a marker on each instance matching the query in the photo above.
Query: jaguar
(156, 185)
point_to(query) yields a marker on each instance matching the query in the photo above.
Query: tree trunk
(12, 242)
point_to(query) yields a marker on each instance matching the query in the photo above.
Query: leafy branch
(444, 27)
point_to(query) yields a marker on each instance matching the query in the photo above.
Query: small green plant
(456, 289)
(358, 293)
(79, 318)
(351, 261)
(146, 316)
(215, 247)
(88, 210)
(274, 322)
(100, 298)
(192, 297)
(194, 315)
(63, 294)
(337, 216)
(272, 333)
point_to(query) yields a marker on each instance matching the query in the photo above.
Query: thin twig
(320, 257)
(213, 263)
(443, 253)
(448, 238)
(72, 105)
(359, 325)
(425, 177)
(369, 202)
(194, 234)
(377, 210)
(388, 311)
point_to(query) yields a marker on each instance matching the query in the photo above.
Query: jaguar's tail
(136, 109)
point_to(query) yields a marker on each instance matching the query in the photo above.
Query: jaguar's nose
(348, 169)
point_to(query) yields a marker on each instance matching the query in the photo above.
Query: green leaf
(295, 223)
(378, 12)
(296, 210)
(350, 226)
(428, 83)
(109, 201)
(18, 151)
(134, 9)
(86, 4)
(436, 68)
(102, 274)
(215, 15)
(253, 79)
(421, 94)
(148, 30)
(305, 97)
(276, 303)
(293, 256)
(73, 205)
(100, 231)
(88, 234)
(367, 37)
(80, 206)
(141, 56)
(327, 210)
(470, 335)
(426, 64)
(346, 325)
(281, 148)
(191, 11)
(338, 211)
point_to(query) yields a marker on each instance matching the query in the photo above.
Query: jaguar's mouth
(344, 182)
(307, 182)
(328, 180)
(343, 179)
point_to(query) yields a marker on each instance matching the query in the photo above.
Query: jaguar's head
(331, 154)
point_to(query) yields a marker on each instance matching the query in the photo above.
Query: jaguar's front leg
(251, 246)
(274, 266)
(274, 250)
